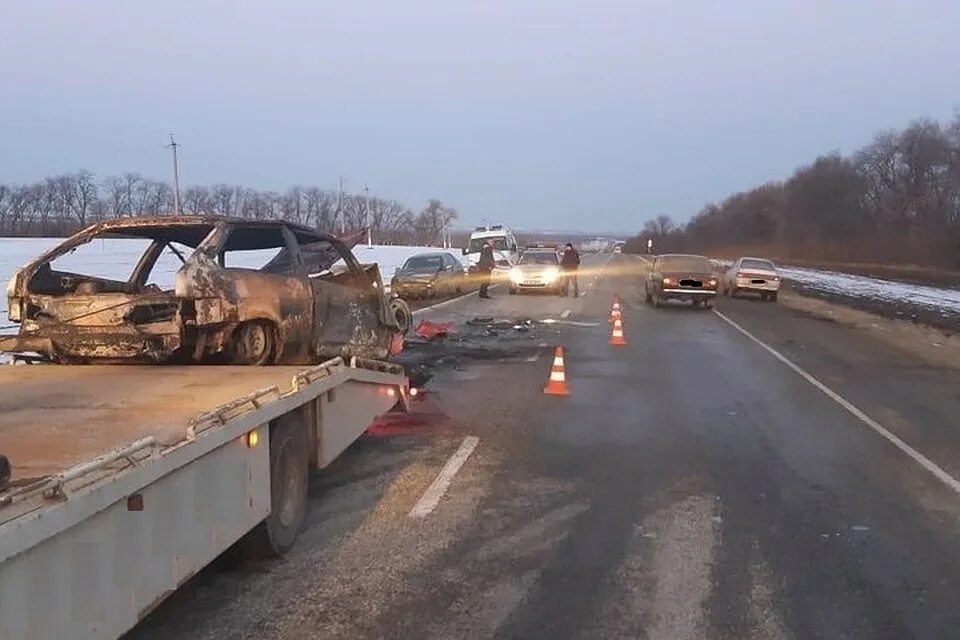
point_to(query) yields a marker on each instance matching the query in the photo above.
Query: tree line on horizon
(63, 204)
(896, 200)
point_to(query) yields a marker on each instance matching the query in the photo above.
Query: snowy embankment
(115, 258)
(855, 286)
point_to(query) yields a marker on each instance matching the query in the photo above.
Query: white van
(505, 249)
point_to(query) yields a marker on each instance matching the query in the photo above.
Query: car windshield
(423, 263)
(476, 244)
(539, 257)
(751, 263)
(687, 263)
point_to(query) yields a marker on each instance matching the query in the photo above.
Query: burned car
(309, 300)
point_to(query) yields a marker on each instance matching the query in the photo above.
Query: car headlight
(550, 275)
(516, 276)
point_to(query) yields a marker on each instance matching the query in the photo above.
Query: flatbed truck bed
(127, 480)
(54, 417)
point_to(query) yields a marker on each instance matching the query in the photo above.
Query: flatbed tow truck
(129, 479)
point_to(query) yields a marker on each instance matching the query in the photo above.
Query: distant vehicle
(506, 252)
(681, 277)
(752, 275)
(537, 270)
(618, 249)
(429, 275)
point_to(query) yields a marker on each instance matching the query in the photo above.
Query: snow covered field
(115, 258)
(855, 286)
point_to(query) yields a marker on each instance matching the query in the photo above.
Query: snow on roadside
(856, 286)
(115, 258)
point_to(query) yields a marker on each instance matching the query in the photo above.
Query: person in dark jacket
(484, 267)
(569, 264)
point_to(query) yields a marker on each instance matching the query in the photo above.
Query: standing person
(569, 264)
(484, 267)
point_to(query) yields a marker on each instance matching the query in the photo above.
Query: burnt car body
(681, 277)
(429, 275)
(311, 300)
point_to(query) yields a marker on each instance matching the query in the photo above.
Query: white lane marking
(450, 301)
(428, 501)
(565, 314)
(917, 457)
(533, 358)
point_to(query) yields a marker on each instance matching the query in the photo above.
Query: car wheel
(401, 312)
(513, 291)
(733, 292)
(773, 297)
(252, 344)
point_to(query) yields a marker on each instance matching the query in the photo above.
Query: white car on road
(752, 275)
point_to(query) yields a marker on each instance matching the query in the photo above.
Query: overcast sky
(538, 113)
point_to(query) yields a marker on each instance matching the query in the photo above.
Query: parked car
(311, 300)
(681, 277)
(429, 275)
(537, 270)
(752, 275)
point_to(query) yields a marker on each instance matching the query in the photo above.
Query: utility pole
(366, 197)
(343, 219)
(176, 177)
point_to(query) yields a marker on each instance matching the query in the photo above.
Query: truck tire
(289, 484)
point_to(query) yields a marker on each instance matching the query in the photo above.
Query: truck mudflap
(88, 552)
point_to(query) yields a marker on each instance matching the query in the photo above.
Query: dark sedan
(429, 275)
(681, 277)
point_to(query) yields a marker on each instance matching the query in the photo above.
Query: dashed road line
(431, 497)
(448, 302)
(917, 457)
(565, 314)
(533, 358)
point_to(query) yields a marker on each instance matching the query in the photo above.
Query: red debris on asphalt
(432, 330)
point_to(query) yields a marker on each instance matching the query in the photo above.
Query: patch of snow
(856, 286)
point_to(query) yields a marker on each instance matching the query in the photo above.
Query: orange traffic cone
(615, 312)
(557, 386)
(616, 336)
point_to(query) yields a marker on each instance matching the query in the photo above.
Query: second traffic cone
(616, 336)
(557, 385)
(615, 312)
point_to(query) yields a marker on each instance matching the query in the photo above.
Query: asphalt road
(694, 485)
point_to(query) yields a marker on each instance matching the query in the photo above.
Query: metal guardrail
(55, 487)
(309, 376)
(376, 365)
(231, 410)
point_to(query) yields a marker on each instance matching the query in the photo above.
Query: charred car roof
(191, 230)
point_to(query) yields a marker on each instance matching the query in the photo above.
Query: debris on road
(433, 330)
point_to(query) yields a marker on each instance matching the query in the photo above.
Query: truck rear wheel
(289, 484)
